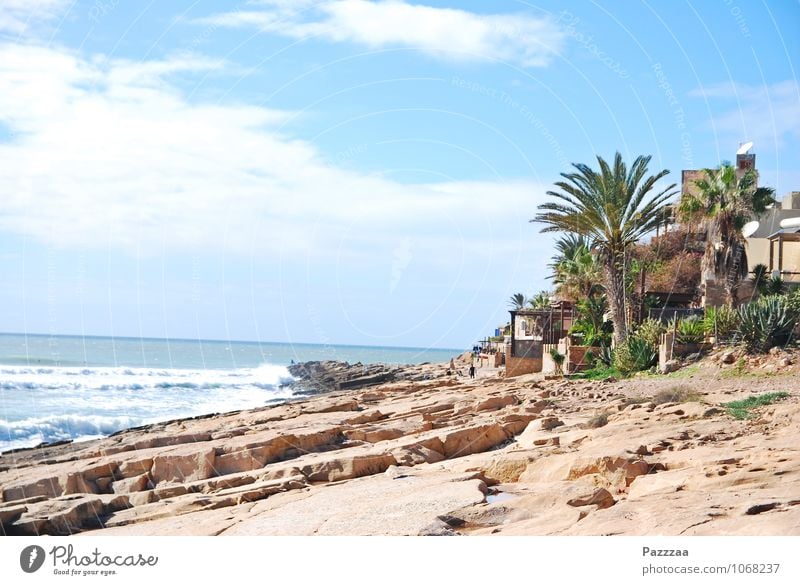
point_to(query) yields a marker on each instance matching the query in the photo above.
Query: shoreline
(309, 379)
(444, 455)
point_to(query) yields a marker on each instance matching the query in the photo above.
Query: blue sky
(346, 171)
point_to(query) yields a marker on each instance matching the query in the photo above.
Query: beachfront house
(534, 331)
(774, 239)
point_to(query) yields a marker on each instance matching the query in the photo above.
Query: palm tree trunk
(734, 274)
(615, 288)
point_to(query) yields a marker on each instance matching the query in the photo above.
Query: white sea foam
(58, 403)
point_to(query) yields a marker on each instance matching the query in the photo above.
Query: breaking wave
(47, 404)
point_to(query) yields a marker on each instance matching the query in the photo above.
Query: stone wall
(518, 366)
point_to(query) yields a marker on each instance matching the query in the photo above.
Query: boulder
(134, 467)
(547, 423)
(670, 366)
(49, 487)
(139, 483)
(416, 455)
(728, 357)
(469, 440)
(96, 471)
(75, 483)
(343, 467)
(11, 514)
(183, 467)
(601, 498)
(496, 402)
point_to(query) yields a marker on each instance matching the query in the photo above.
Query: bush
(690, 330)
(760, 277)
(741, 409)
(635, 355)
(765, 323)
(727, 322)
(774, 286)
(793, 300)
(650, 330)
(558, 360)
(598, 373)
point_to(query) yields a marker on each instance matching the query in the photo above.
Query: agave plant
(634, 355)
(723, 322)
(765, 323)
(774, 286)
(760, 276)
(689, 330)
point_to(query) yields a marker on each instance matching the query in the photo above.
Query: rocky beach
(415, 451)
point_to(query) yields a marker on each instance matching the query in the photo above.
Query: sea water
(55, 388)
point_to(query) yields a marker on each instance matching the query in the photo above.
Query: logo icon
(31, 558)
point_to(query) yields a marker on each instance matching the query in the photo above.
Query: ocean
(54, 388)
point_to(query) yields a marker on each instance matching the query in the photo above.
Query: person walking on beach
(472, 370)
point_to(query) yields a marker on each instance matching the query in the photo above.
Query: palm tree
(722, 204)
(541, 300)
(517, 301)
(576, 271)
(612, 207)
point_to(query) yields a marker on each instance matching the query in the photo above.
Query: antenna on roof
(744, 148)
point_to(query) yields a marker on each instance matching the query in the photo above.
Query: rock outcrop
(428, 453)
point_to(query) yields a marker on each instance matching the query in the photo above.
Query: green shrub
(635, 355)
(765, 323)
(774, 286)
(599, 372)
(651, 330)
(793, 300)
(558, 360)
(760, 277)
(726, 319)
(690, 330)
(741, 409)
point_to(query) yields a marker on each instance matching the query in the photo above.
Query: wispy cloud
(766, 114)
(454, 34)
(19, 16)
(103, 153)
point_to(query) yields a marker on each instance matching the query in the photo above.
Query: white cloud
(766, 114)
(109, 153)
(18, 16)
(520, 39)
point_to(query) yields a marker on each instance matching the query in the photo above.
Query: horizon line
(148, 338)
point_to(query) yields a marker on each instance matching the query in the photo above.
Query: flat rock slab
(381, 504)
